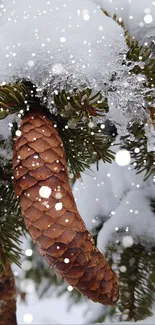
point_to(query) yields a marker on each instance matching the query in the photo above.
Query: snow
(28, 318)
(139, 16)
(122, 157)
(127, 102)
(58, 206)
(127, 241)
(28, 252)
(47, 311)
(18, 133)
(48, 42)
(45, 191)
(117, 193)
(71, 44)
(141, 223)
(5, 130)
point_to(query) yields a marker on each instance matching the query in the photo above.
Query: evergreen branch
(137, 282)
(83, 145)
(11, 225)
(79, 104)
(119, 21)
(14, 97)
(142, 160)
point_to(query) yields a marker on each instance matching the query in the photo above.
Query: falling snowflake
(122, 157)
(127, 241)
(45, 192)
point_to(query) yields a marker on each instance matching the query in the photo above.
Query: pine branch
(137, 282)
(143, 161)
(15, 97)
(84, 146)
(79, 104)
(11, 225)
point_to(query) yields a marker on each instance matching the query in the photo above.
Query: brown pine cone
(7, 298)
(51, 215)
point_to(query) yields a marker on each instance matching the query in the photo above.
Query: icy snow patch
(48, 41)
(5, 129)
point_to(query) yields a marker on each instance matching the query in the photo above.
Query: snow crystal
(58, 195)
(15, 273)
(18, 133)
(69, 288)
(45, 192)
(31, 63)
(58, 206)
(137, 150)
(148, 19)
(26, 265)
(66, 260)
(127, 241)
(122, 157)
(123, 268)
(28, 252)
(28, 318)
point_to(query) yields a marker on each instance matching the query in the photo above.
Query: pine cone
(7, 298)
(51, 215)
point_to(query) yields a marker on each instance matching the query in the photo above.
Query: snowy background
(51, 40)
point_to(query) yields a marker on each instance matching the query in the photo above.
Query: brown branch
(7, 297)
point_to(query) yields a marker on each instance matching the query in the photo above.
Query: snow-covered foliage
(116, 193)
(53, 42)
(74, 43)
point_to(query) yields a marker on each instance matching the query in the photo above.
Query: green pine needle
(143, 161)
(11, 225)
(79, 104)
